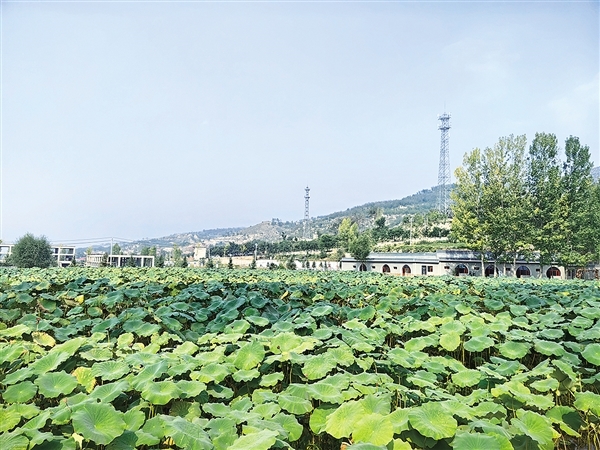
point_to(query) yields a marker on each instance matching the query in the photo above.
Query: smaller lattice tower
(306, 230)
(444, 181)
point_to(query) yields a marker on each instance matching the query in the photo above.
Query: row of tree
(510, 201)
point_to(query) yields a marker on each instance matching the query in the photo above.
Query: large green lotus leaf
(592, 354)
(213, 372)
(249, 356)
(20, 393)
(85, 378)
(376, 404)
(13, 441)
(237, 326)
(53, 384)
(432, 420)
(537, 427)
(258, 320)
(450, 341)
(11, 352)
(342, 355)
(98, 422)
(321, 310)
(109, 391)
(453, 326)
(293, 404)
(467, 377)
(43, 339)
(475, 441)
(217, 409)
(190, 389)
(548, 384)
(318, 418)
(325, 392)
(423, 378)
(587, 401)
(37, 437)
(16, 331)
(97, 354)
(316, 367)
(271, 379)
(513, 350)
(267, 410)
(110, 370)
(399, 444)
(49, 362)
(399, 419)
(290, 425)
(590, 312)
(140, 327)
(566, 369)
(186, 434)
(404, 358)
(262, 440)
(284, 343)
(341, 423)
(366, 446)
(374, 429)
(9, 418)
(419, 343)
(134, 419)
(161, 392)
(552, 333)
(548, 348)
(478, 344)
(245, 375)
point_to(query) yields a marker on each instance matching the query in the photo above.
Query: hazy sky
(142, 119)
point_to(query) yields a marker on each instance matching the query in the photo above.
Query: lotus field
(233, 359)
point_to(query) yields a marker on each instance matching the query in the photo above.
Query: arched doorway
(461, 269)
(362, 268)
(405, 270)
(523, 271)
(490, 271)
(553, 272)
(385, 268)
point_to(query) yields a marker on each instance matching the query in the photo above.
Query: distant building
(119, 260)
(63, 254)
(459, 263)
(199, 252)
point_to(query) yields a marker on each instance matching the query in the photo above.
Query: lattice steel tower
(444, 180)
(306, 231)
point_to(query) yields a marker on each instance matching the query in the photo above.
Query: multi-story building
(63, 254)
(119, 260)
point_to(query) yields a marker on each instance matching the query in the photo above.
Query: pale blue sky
(139, 119)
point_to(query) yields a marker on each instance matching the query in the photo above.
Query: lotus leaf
(587, 401)
(293, 404)
(592, 354)
(258, 320)
(475, 441)
(374, 429)
(13, 441)
(318, 366)
(43, 339)
(548, 384)
(134, 419)
(342, 355)
(186, 434)
(262, 440)
(419, 343)
(245, 375)
(450, 341)
(341, 423)
(109, 391)
(20, 393)
(548, 348)
(466, 378)
(478, 344)
(49, 362)
(161, 392)
(249, 355)
(271, 379)
(110, 370)
(325, 392)
(321, 310)
(537, 427)
(568, 419)
(290, 425)
(432, 420)
(53, 384)
(98, 422)
(85, 378)
(267, 410)
(9, 418)
(513, 350)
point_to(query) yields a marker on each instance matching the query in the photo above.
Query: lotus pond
(232, 359)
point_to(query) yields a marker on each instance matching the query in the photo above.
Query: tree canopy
(30, 251)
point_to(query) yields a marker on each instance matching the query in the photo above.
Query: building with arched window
(459, 263)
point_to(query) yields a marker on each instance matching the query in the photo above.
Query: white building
(119, 260)
(456, 262)
(63, 254)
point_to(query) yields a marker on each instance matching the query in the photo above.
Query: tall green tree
(361, 247)
(545, 202)
(30, 251)
(347, 232)
(581, 237)
(116, 249)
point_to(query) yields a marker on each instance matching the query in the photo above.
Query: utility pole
(444, 179)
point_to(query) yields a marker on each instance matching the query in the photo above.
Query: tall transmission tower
(306, 231)
(444, 180)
